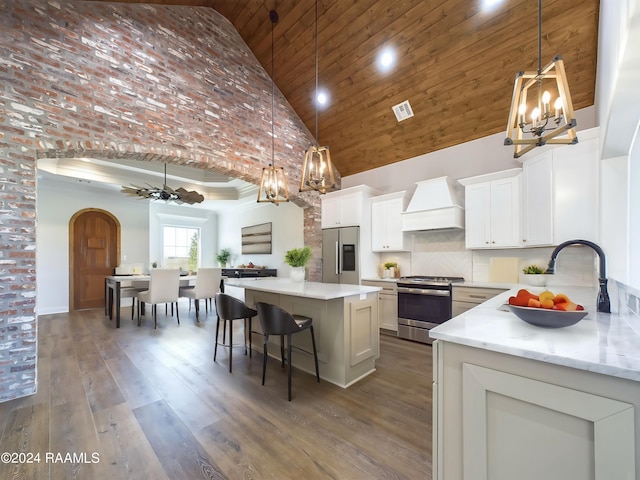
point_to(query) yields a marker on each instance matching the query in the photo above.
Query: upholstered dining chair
(276, 321)
(230, 308)
(206, 287)
(164, 287)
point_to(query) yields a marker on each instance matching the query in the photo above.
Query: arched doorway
(94, 251)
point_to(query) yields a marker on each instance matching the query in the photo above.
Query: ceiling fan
(166, 193)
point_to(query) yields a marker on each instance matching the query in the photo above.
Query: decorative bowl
(543, 317)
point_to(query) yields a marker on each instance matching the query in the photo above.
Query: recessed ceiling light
(322, 98)
(488, 5)
(386, 59)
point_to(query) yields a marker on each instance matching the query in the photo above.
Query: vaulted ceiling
(456, 63)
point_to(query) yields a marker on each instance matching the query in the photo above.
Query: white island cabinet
(345, 322)
(515, 401)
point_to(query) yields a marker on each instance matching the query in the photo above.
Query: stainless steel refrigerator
(340, 255)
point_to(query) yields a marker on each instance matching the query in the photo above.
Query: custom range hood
(434, 206)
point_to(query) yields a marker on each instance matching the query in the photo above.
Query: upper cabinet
(537, 201)
(386, 222)
(552, 199)
(576, 190)
(492, 210)
(346, 207)
(560, 193)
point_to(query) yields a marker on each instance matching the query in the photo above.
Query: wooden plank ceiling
(455, 64)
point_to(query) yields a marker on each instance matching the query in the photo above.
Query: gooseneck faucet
(604, 304)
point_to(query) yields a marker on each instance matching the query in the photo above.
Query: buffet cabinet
(249, 272)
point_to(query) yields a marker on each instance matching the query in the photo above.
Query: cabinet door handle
(471, 295)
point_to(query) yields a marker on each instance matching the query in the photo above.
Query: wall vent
(403, 110)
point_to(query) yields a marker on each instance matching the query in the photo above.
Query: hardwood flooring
(139, 403)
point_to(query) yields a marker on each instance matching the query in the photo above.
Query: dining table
(113, 285)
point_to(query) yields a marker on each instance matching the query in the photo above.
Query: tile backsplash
(443, 253)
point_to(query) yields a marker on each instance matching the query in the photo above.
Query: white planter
(535, 279)
(297, 274)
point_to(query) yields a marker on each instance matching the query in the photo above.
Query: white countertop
(606, 343)
(285, 286)
(505, 286)
(378, 279)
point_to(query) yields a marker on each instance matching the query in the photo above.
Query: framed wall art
(256, 239)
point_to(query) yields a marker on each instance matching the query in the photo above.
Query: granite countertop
(606, 343)
(285, 286)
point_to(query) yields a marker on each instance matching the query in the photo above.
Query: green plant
(298, 257)
(532, 269)
(390, 265)
(223, 256)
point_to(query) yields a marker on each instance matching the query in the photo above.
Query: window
(180, 247)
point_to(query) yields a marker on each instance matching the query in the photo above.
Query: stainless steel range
(423, 303)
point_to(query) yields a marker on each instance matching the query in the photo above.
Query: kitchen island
(512, 400)
(345, 321)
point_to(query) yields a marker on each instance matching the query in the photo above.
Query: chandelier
(273, 185)
(317, 170)
(533, 122)
(166, 193)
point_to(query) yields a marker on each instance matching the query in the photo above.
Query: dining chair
(230, 308)
(276, 321)
(207, 285)
(164, 287)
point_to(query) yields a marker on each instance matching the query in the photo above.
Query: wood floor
(135, 403)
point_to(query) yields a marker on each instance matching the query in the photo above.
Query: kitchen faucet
(603, 296)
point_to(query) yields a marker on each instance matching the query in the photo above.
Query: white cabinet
(386, 222)
(387, 304)
(537, 201)
(347, 207)
(576, 190)
(560, 193)
(342, 210)
(497, 415)
(492, 210)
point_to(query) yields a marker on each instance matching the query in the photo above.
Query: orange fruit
(546, 294)
(547, 303)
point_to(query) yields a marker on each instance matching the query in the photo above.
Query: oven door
(420, 309)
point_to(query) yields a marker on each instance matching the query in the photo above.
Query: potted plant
(534, 275)
(223, 257)
(297, 259)
(389, 269)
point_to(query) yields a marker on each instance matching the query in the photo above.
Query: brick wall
(146, 82)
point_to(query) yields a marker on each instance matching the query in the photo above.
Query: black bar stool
(276, 321)
(230, 308)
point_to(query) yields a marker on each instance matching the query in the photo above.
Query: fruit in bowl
(546, 309)
(546, 299)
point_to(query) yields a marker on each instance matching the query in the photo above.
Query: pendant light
(532, 121)
(273, 185)
(317, 169)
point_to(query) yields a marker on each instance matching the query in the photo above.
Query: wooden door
(94, 243)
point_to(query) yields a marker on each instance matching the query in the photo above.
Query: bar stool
(230, 308)
(276, 321)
